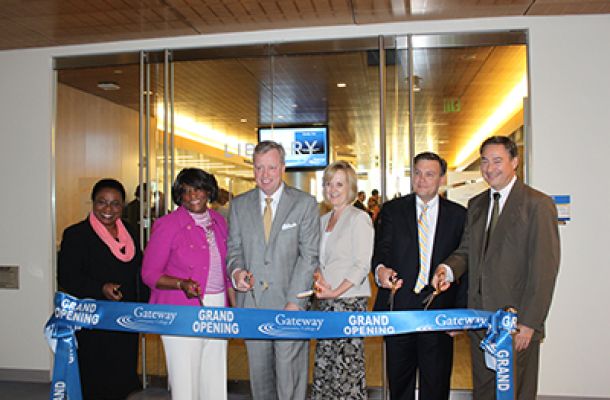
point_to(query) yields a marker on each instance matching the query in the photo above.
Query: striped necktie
(423, 231)
(267, 217)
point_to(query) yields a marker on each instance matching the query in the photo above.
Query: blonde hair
(350, 174)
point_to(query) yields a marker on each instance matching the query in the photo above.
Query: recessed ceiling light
(108, 85)
(118, 71)
(243, 120)
(468, 57)
(341, 84)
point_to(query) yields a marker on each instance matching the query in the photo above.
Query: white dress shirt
(274, 202)
(432, 214)
(503, 197)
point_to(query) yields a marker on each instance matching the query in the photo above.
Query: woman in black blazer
(100, 259)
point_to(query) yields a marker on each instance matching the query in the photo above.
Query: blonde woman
(341, 283)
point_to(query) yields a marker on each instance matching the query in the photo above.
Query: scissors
(393, 281)
(251, 290)
(429, 298)
(310, 292)
(252, 283)
(199, 296)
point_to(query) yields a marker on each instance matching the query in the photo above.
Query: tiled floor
(237, 391)
(237, 363)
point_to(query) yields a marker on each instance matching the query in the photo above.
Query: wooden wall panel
(94, 139)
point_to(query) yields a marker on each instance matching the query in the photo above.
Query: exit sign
(452, 104)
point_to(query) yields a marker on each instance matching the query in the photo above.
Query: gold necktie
(267, 217)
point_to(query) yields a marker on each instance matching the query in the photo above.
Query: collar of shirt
(431, 213)
(503, 195)
(432, 204)
(275, 199)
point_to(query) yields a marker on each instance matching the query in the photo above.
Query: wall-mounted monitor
(306, 147)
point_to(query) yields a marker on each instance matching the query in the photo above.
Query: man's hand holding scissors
(388, 278)
(244, 280)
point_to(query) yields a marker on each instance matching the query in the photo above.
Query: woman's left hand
(112, 291)
(191, 288)
(323, 290)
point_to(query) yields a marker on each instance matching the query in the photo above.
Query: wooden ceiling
(39, 23)
(236, 94)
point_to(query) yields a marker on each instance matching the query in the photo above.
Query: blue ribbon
(72, 313)
(499, 344)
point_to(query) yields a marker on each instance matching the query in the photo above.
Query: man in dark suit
(400, 255)
(359, 203)
(272, 253)
(511, 250)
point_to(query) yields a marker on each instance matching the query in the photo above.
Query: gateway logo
(289, 327)
(143, 319)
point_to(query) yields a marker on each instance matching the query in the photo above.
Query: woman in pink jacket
(184, 264)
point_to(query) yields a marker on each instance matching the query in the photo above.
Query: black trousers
(429, 353)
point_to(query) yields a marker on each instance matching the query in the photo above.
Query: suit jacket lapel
(337, 231)
(283, 208)
(256, 218)
(508, 216)
(323, 224)
(479, 224)
(440, 233)
(410, 216)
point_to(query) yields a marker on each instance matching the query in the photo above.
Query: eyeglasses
(115, 204)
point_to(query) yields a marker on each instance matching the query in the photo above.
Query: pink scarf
(125, 242)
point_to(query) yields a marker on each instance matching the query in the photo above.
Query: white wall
(25, 206)
(570, 60)
(570, 81)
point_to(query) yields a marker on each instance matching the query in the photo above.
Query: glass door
(448, 94)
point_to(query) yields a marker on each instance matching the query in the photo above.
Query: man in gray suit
(510, 249)
(272, 253)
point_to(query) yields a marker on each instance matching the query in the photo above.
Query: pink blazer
(178, 248)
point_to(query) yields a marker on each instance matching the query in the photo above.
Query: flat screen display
(306, 147)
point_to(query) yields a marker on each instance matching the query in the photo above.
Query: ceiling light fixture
(189, 128)
(108, 86)
(341, 84)
(243, 120)
(417, 7)
(399, 9)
